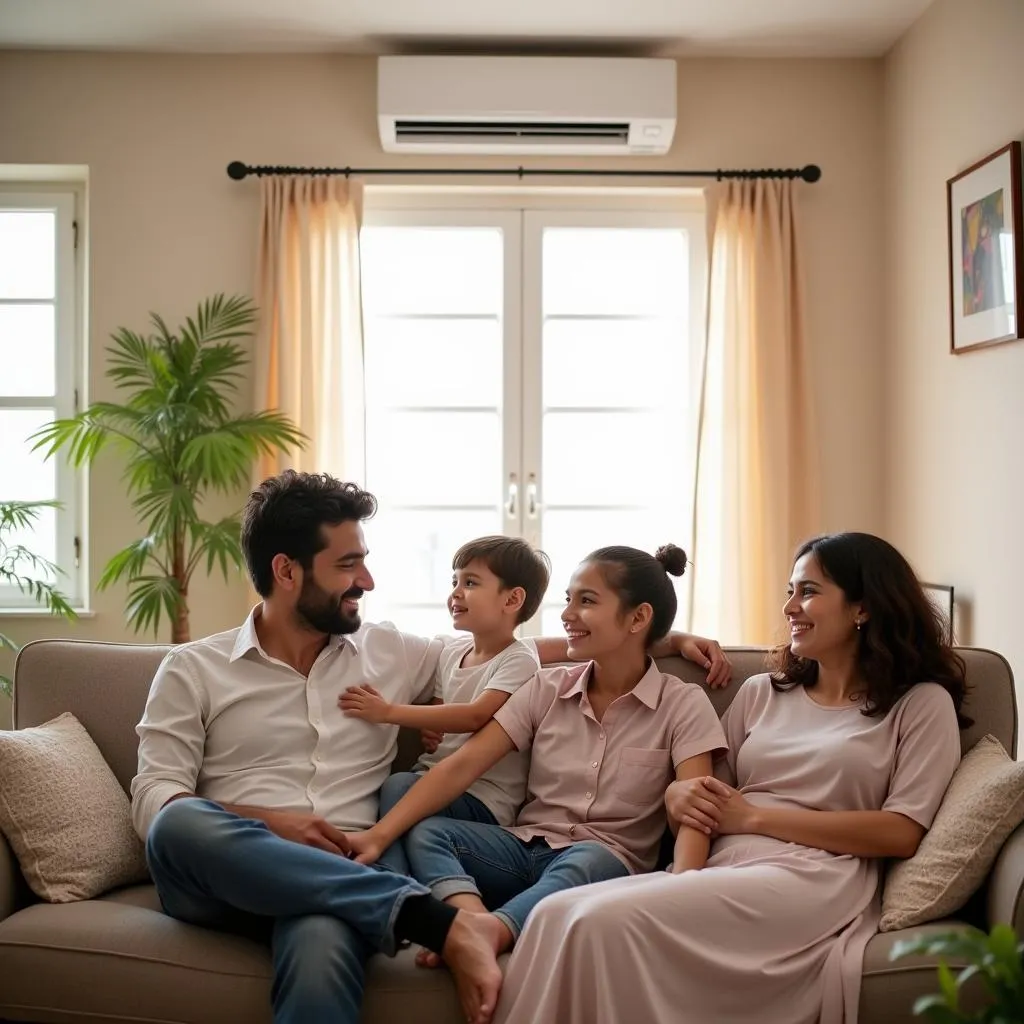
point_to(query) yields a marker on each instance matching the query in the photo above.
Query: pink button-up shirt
(605, 780)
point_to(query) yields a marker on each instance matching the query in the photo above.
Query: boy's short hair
(515, 563)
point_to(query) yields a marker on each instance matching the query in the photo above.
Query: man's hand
(365, 846)
(431, 740)
(697, 803)
(707, 653)
(307, 829)
(366, 703)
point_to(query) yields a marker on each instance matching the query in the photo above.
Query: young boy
(497, 583)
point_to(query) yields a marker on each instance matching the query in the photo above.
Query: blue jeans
(328, 914)
(511, 876)
(465, 808)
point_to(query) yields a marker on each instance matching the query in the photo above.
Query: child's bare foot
(469, 953)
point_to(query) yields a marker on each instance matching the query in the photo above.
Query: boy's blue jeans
(328, 914)
(510, 875)
(465, 808)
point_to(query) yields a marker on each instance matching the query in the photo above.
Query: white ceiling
(776, 28)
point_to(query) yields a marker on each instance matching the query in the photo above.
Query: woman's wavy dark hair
(902, 641)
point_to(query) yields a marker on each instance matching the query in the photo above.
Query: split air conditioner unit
(607, 106)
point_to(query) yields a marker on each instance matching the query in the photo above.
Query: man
(249, 776)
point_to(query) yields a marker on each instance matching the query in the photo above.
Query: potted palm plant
(32, 574)
(995, 958)
(183, 442)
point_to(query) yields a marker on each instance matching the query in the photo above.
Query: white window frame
(523, 214)
(69, 295)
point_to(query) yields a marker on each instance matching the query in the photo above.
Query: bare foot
(498, 933)
(469, 953)
(428, 958)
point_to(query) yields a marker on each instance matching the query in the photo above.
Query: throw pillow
(982, 806)
(65, 814)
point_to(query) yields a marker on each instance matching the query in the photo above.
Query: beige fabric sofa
(119, 959)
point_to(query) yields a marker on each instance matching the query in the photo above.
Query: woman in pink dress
(837, 760)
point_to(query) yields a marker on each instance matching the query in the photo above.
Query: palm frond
(219, 542)
(149, 598)
(86, 434)
(167, 511)
(17, 558)
(20, 515)
(129, 360)
(224, 457)
(163, 333)
(130, 562)
(43, 593)
(220, 319)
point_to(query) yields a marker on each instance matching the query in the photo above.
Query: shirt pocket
(644, 774)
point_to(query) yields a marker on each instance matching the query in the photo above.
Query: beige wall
(955, 424)
(168, 227)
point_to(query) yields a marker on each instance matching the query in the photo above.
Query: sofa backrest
(105, 686)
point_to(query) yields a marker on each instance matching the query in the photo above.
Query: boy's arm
(366, 703)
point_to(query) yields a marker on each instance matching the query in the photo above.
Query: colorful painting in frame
(986, 252)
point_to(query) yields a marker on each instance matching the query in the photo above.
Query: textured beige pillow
(982, 806)
(65, 814)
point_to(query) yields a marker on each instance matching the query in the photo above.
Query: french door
(528, 372)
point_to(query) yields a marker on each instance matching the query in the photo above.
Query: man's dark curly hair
(286, 514)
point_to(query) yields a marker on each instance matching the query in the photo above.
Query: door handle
(531, 496)
(513, 496)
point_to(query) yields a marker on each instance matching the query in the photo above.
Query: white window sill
(40, 613)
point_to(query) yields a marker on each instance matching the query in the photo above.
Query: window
(528, 372)
(39, 372)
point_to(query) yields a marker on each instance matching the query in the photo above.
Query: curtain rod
(238, 171)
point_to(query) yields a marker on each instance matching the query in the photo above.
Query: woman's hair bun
(672, 559)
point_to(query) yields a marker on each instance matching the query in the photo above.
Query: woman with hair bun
(838, 759)
(606, 737)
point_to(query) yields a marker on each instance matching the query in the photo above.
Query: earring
(860, 624)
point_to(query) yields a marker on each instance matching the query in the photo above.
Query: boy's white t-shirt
(503, 788)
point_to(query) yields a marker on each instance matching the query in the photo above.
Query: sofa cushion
(982, 806)
(64, 813)
(120, 958)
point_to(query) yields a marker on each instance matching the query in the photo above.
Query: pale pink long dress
(768, 931)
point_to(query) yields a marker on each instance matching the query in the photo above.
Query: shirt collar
(247, 639)
(647, 691)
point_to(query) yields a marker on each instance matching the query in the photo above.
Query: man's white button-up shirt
(226, 721)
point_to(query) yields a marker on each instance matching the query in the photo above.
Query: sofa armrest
(13, 890)
(1006, 884)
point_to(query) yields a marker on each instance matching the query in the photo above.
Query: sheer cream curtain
(309, 349)
(757, 489)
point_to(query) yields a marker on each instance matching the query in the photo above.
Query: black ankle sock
(425, 921)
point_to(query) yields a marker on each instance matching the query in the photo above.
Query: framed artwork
(941, 596)
(986, 252)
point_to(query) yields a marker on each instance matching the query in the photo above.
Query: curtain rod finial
(811, 173)
(237, 170)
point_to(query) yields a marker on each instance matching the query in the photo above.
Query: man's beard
(323, 612)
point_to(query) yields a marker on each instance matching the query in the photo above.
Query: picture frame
(943, 598)
(986, 252)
